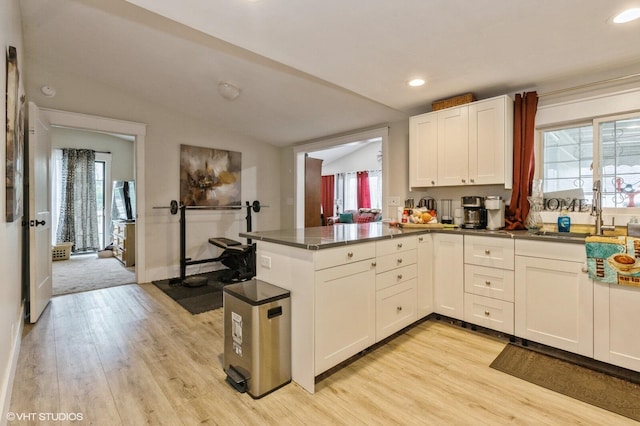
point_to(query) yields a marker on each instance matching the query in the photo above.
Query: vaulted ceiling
(309, 69)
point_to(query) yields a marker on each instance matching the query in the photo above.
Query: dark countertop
(322, 237)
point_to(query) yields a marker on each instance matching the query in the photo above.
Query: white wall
(11, 307)
(366, 158)
(166, 130)
(122, 154)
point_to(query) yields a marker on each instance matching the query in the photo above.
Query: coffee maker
(495, 212)
(475, 215)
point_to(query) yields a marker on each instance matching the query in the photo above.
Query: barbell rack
(176, 207)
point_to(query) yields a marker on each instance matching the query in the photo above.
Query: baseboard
(7, 386)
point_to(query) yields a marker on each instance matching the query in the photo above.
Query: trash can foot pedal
(237, 380)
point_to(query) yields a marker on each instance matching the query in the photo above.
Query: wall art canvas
(15, 138)
(210, 177)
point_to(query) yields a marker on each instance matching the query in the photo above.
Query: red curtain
(364, 196)
(523, 158)
(327, 196)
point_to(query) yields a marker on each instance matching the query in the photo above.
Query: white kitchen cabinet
(425, 275)
(489, 282)
(453, 146)
(553, 296)
(491, 142)
(345, 312)
(448, 268)
(616, 317)
(466, 145)
(396, 285)
(423, 150)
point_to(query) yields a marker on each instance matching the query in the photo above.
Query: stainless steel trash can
(257, 337)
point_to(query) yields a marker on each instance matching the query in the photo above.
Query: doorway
(94, 268)
(334, 149)
(135, 133)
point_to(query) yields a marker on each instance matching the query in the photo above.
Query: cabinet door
(423, 150)
(487, 142)
(453, 146)
(344, 313)
(448, 275)
(616, 317)
(425, 275)
(395, 308)
(554, 304)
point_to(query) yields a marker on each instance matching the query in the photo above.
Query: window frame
(594, 122)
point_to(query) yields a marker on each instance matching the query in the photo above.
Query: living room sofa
(356, 216)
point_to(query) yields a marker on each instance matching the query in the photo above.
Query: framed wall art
(210, 177)
(15, 138)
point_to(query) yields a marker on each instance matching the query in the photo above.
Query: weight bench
(238, 257)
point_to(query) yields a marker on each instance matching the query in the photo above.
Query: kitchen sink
(557, 234)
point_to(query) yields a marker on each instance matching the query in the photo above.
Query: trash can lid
(256, 292)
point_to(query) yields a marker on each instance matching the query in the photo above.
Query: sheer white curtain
(346, 190)
(375, 188)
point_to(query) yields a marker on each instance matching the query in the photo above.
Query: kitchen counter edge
(320, 238)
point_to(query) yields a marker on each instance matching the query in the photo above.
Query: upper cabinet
(470, 144)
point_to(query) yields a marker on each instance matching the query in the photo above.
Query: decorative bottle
(533, 222)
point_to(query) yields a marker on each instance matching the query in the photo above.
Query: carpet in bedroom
(89, 272)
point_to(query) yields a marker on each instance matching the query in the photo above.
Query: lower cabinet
(345, 317)
(448, 275)
(554, 296)
(425, 275)
(489, 282)
(616, 317)
(396, 285)
(395, 308)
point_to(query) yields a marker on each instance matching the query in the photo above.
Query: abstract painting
(15, 138)
(210, 177)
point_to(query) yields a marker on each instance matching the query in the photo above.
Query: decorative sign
(570, 204)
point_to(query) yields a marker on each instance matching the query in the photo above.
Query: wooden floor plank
(131, 355)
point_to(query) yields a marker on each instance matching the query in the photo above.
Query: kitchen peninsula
(354, 285)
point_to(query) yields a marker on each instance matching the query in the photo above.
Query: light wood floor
(130, 355)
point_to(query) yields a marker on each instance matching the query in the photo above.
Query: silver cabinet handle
(399, 276)
(487, 313)
(399, 245)
(399, 308)
(420, 238)
(464, 181)
(487, 282)
(373, 264)
(473, 181)
(350, 255)
(400, 260)
(487, 252)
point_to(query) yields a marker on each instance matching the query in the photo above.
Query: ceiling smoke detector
(228, 91)
(48, 91)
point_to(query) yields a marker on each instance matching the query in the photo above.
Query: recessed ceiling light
(627, 16)
(228, 90)
(416, 82)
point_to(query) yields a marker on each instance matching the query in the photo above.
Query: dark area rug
(603, 390)
(196, 300)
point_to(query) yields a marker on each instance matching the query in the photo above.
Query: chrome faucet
(596, 209)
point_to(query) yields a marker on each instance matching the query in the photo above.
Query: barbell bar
(174, 206)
